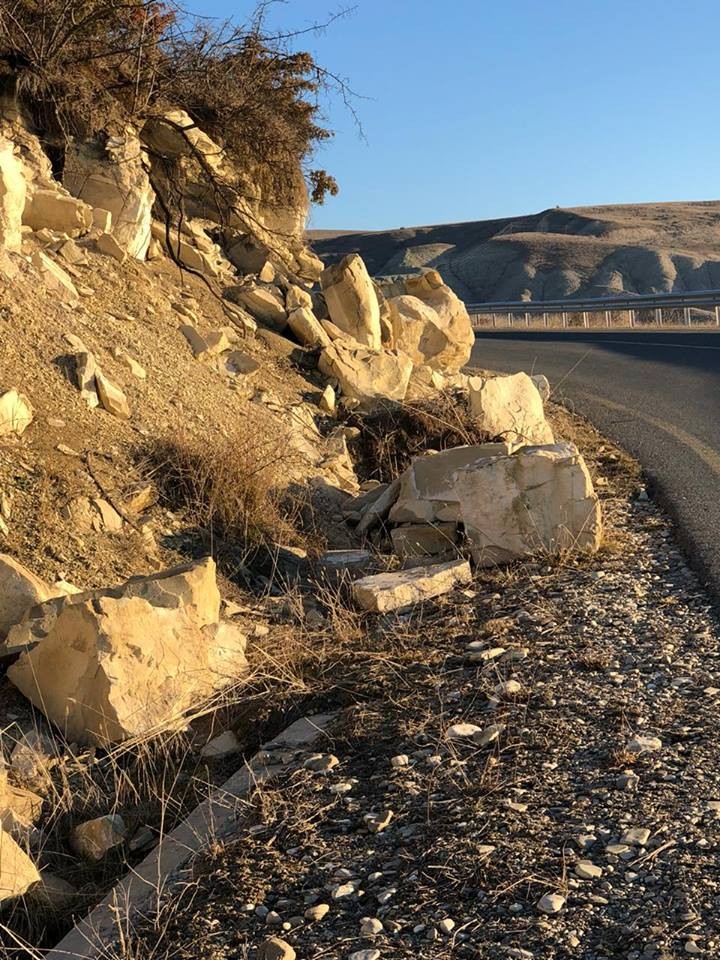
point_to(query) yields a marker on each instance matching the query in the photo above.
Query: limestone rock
(452, 316)
(72, 253)
(112, 175)
(94, 838)
(265, 303)
(417, 331)
(102, 219)
(275, 949)
(12, 198)
(17, 871)
(20, 590)
(110, 246)
(111, 396)
(296, 297)
(327, 400)
(367, 375)
(427, 487)
(105, 666)
(307, 328)
(205, 345)
(352, 301)
(123, 357)
(52, 893)
(57, 211)
(16, 413)
(239, 364)
(543, 385)
(382, 592)
(538, 499)
(510, 407)
(54, 277)
(85, 370)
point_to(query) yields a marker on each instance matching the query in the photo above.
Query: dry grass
(394, 433)
(228, 487)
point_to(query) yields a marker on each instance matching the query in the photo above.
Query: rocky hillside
(583, 251)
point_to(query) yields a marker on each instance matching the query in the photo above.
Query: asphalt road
(657, 394)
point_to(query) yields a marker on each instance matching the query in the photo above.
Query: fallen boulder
(416, 330)
(538, 499)
(352, 301)
(265, 302)
(452, 316)
(367, 375)
(510, 407)
(106, 666)
(383, 592)
(427, 488)
(307, 328)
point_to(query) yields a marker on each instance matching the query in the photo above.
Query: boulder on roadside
(16, 413)
(352, 301)
(510, 407)
(452, 316)
(539, 499)
(367, 375)
(416, 330)
(128, 661)
(382, 592)
(426, 489)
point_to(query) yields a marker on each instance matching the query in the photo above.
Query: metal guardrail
(657, 303)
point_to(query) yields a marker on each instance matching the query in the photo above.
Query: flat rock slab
(391, 591)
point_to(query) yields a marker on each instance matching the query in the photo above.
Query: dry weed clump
(394, 433)
(229, 487)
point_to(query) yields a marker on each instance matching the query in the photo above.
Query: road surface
(657, 394)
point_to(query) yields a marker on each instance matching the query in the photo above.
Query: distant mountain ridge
(555, 254)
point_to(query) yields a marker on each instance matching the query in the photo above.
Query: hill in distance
(556, 254)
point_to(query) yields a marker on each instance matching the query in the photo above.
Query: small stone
(365, 955)
(123, 357)
(637, 836)
(273, 919)
(94, 838)
(376, 822)
(551, 903)
(627, 780)
(617, 849)
(327, 400)
(321, 762)
(371, 926)
(318, 912)
(446, 926)
(111, 396)
(223, 745)
(344, 786)
(507, 690)
(401, 760)
(489, 735)
(275, 949)
(587, 870)
(343, 890)
(463, 731)
(643, 744)
(691, 946)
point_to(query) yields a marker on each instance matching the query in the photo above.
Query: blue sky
(493, 108)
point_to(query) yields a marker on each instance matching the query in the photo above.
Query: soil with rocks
(527, 768)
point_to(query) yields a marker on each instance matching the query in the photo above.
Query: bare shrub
(229, 486)
(393, 434)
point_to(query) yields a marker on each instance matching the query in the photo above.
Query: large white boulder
(12, 197)
(113, 175)
(453, 318)
(427, 489)
(352, 301)
(130, 661)
(416, 330)
(539, 499)
(367, 375)
(510, 407)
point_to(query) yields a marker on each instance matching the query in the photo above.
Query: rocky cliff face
(585, 251)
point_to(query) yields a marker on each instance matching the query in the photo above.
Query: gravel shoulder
(587, 784)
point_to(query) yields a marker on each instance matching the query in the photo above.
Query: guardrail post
(687, 315)
(545, 319)
(717, 316)
(607, 318)
(564, 319)
(527, 319)
(585, 318)
(494, 320)
(632, 317)
(658, 316)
